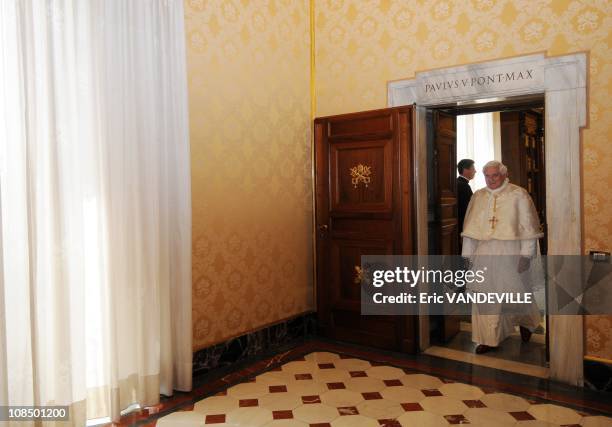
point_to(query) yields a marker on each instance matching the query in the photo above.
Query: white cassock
(503, 222)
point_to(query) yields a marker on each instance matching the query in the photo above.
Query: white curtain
(479, 139)
(95, 283)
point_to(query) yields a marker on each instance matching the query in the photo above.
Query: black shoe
(481, 348)
(525, 334)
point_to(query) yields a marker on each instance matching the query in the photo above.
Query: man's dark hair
(464, 164)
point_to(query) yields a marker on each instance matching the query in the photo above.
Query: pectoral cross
(493, 220)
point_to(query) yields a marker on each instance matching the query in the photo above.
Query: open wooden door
(364, 206)
(444, 189)
(443, 223)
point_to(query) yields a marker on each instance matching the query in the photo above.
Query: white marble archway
(563, 81)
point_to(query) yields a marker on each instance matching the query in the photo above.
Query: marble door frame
(563, 81)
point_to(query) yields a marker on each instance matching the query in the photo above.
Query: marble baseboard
(254, 344)
(598, 376)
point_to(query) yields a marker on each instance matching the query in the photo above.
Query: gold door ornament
(358, 274)
(361, 276)
(361, 174)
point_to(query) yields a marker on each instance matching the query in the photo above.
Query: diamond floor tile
(325, 389)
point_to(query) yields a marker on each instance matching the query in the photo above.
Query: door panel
(353, 165)
(346, 284)
(444, 190)
(360, 125)
(445, 163)
(364, 206)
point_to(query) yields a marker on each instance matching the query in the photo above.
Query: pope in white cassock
(501, 219)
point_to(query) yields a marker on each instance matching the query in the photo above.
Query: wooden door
(444, 221)
(444, 190)
(364, 206)
(523, 152)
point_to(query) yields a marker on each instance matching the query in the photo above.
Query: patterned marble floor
(324, 389)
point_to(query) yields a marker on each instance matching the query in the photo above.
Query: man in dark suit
(466, 171)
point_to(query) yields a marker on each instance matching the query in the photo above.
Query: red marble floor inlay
(356, 374)
(245, 403)
(311, 399)
(348, 410)
(214, 419)
(522, 416)
(335, 386)
(474, 404)
(303, 376)
(392, 383)
(282, 415)
(371, 395)
(456, 419)
(319, 425)
(277, 388)
(412, 406)
(389, 423)
(326, 366)
(429, 392)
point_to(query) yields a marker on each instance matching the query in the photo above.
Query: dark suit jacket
(464, 194)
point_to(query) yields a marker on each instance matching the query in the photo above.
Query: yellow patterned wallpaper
(362, 44)
(249, 105)
(248, 65)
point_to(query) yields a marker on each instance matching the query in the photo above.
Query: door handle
(323, 227)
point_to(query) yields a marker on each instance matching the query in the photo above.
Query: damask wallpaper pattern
(249, 105)
(248, 64)
(363, 44)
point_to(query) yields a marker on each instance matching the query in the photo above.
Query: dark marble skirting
(259, 343)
